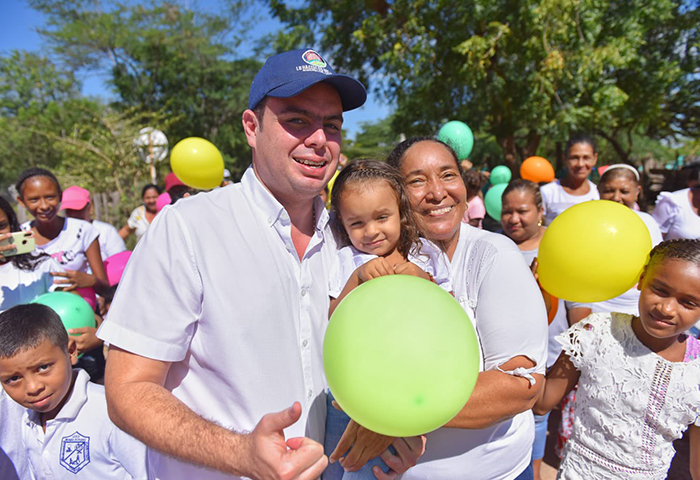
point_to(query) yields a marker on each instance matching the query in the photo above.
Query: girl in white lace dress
(639, 377)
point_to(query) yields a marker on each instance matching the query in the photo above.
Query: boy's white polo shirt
(216, 287)
(81, 442)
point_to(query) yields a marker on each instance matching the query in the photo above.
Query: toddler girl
(638, 376)
(373, 219)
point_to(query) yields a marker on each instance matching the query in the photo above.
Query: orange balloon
(537, 169)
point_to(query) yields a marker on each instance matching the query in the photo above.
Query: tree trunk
(623, 154)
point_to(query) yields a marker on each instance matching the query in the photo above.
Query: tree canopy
(517, 69)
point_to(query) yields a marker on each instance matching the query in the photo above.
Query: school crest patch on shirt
(75, 452)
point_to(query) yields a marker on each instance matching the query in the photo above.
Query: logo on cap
(313, 58)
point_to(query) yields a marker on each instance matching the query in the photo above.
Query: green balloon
(74, 311)
(401, 356)
(493, 201)
(458, 136)
(500, 174)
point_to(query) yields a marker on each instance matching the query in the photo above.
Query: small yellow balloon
(330, 188)
(198, 163)
(593, 251)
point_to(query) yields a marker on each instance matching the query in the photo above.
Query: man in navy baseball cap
(288, 74)
(221, 314)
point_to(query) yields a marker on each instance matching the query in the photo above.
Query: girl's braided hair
(36, 172)
(364, 172)
(681, 249)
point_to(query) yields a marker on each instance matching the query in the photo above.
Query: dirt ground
(679, 466)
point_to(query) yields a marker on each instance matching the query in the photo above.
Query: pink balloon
(89, 296)
(162, 200)
(114, 266)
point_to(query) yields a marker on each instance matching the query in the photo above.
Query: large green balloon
(500, 174)
(458, 136)
(493, 201)
(74, 311)
(401, 356)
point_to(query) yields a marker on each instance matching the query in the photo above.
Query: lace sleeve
(580, 340)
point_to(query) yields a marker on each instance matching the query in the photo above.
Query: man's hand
(363, 444)
(269, 456)
(377, 267)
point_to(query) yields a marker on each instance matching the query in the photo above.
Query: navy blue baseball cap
(290, 73)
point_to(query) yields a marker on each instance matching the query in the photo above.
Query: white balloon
(152, 145)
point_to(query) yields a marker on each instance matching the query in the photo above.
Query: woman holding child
(491, 438)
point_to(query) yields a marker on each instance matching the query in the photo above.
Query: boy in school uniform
(65, 429)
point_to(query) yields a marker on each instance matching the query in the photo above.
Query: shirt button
(303, 292)
(309, 394)
(269, 219)
(304, 343)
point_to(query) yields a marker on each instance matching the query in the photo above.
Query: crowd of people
(214, 336)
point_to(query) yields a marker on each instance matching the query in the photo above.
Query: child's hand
(377, 267)
(86, 339)
(74, 280)
(364, 445)
(410, 268)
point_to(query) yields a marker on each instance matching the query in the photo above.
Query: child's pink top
(476, 209)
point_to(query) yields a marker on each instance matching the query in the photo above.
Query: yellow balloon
(330, 188)
(593, 251)
(198, 163)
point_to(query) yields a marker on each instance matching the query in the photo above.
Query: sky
(18, 31)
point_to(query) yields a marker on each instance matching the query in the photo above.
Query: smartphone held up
(16, 243)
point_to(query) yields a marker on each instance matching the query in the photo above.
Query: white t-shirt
(430, 259)
(217, 288)
(19, 286)
(69, 247)
(675, 215)
(138, 221)
(494, 285)
(555, 199)
(628, 302)
(14, 464)
(81, 442)
(559, 323)
(110, 241)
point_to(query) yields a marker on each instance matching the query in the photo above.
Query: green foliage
(163, 58)
(374, 140)
(517, 70)
(35, 96)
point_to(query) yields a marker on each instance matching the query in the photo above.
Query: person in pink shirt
(476, 210)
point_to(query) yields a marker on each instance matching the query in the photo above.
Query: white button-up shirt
(217, 288)
(81, 442)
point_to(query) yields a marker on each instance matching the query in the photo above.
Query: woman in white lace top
(638, 376)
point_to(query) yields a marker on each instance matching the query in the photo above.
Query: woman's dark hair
(580, 138)
(396, 157)
(525, 186)
(613, 173)
(148, 187)
(362, 172)
(25, 261)
(36, 172)
(681, 249)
